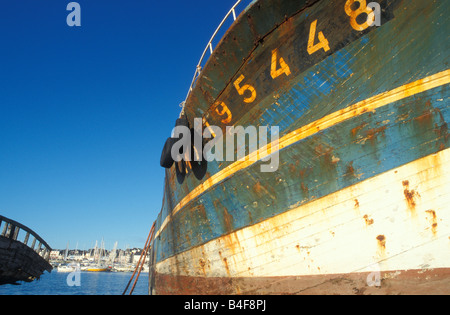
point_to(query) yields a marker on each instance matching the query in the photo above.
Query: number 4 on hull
(284, 68)
(323, 42)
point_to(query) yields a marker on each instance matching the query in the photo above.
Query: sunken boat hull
(359, 200)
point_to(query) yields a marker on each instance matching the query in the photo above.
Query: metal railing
(11, 230)
(209, 47)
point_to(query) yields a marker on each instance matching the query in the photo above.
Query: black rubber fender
(166, 160)
(182, 122)
(199, 168)
(181, 173)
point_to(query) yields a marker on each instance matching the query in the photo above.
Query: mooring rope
(139, 264)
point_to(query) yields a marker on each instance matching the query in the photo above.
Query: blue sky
(85, 111)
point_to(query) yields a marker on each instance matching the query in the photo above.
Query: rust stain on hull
(411, 197)
(433, 221)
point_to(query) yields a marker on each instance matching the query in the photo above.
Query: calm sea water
(91, 283)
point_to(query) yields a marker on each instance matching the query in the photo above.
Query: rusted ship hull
(359, 202)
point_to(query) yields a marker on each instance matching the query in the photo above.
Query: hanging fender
(166, 159)
(199, 168)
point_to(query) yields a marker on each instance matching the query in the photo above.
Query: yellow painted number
(354, 13)
(241, 89)
(323, 42)
(284, 68)
(223, 111)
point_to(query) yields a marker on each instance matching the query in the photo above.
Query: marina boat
(97, 268)
(99, 264)
(68, 267)
(123, 268)
(348, 193)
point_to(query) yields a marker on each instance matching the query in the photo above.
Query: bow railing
(11, 229)
(209, 47)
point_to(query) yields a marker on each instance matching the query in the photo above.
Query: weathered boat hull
(359, 202)
(20, 261)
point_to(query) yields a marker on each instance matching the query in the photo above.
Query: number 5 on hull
(247, 87)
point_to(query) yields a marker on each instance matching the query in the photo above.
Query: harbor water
(83, 283)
